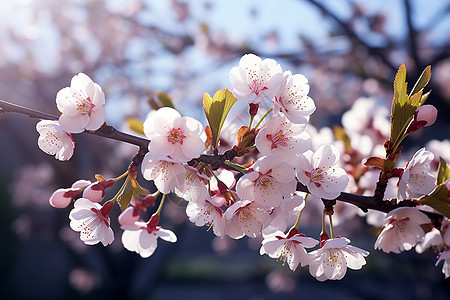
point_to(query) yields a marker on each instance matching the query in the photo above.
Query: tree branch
(214, 160)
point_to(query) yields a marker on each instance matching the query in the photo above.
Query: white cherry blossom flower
(142, 237)
(173, 137)
(54, 140)
(333, 258)
(402, 230)
(255, 80)
(81, 105)
(166, 175)
(416, 178)
(208, 213)
(244, 218)
(269, 181)
(292, 98)
(193, 187)
(278, 136)
(431, 238)
(92, 221)
(288, 247)
(445, 256)
(285, 215)
(319, 172)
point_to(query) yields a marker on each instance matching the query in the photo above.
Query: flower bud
(127, 217)
(426, 113)
(60, 198)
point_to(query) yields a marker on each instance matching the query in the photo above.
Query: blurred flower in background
(136, 48)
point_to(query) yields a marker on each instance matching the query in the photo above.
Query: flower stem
(160, 205)
(301, 211)
(331, 226)
(265, 115)
(120, 177)
(120, 192)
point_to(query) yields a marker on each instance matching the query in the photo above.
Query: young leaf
(341, 135)
(125, 199)
(438, 200)
(165, 100)
(422, 81)
(136, 125)
(444, 171)
(216, 110)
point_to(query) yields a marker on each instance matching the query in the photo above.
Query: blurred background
(135, 49)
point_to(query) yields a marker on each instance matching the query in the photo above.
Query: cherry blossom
(278, 136)
(96, 191)
(81, 105)
(285, 215)
(142, 237)
(424, 116)
(288, 247)
(445, 256)
(92, 221)
(173, 137)
(193, 187)
(208, 213)
(63, 197)
(54, 140)
(255, 80)
(269, 181)
(165, 174)
(318, 171)
(402, 230)
(416, 178)
(244, 218)
(292, 98)
(333, 258)
(432, 238)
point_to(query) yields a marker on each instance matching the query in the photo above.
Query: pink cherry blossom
(128, 217)
(402, 230)
(255, 80)
(54, 140)
(173, 137)
(432, 238)
(193, 187)
(165, 174)
(92, 221)
(279, 136)
(206, 212)
(142, 237)
(416, 178)
(445, 256)
(244, 218)
(292, 98)
(285, 215)
(81, 105)
(63, 197)
(426, 113)
(269, 181)
(96, 191)
(319, 172)
(288, 247)
(333, 258)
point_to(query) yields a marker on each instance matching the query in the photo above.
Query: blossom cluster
(259, 197)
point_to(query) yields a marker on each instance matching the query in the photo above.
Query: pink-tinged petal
(99, 97)
(73, 124)
(159, 146)
(326, 156)
(65, 102)
(148, 242)
(127, 217)
(166, 235)
(96, 120)
(130, 239)
(192, 147)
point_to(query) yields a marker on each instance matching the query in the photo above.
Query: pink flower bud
(94, 192)
(426, 113)
(127, 217)
(60, 198)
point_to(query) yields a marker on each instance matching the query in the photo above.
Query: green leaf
(444, 171)
(124, 199)
(216, 110)
(165, 100)
(403, 107)
(422, 81)
(438, 200)
(138, 190)
(341, 135)
(136, 125)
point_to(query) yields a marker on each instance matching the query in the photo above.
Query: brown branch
(214, 160)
